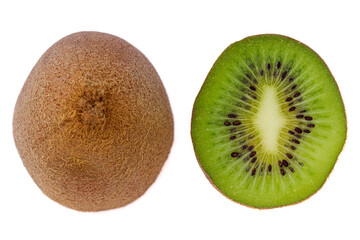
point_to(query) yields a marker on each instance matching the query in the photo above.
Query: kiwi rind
(221, 68)
(93, 123)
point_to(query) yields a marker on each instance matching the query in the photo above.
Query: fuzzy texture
(93, 123)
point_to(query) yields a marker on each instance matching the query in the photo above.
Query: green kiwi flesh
(268, 123)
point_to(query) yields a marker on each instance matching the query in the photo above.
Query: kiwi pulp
(268, 123)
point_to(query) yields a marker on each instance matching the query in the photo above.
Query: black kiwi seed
(293, 87)
(283, 75)
(289, 99)
(227, 123)
(282, 171)
(291, 169)
(253, 172)
(252, 154)
(291, 132)
(285, 163)
(297, 94)
(299, 116)
(293, 148)
(306, 131)
(289, 156)
(232, 137)
(280, 163)
(291, 79)
(308, 118)
(236, 123)
(252, 88)
(292, 109)
(251, 148)
(254, 159)
(311, 125)
(278, 65)
(234, 154)
(269, 168)
(295, 141)
(232, 115)
(244, 99)
(261, 72)
(244, 147)
(298, 130)
(298, 135)
(268, 66)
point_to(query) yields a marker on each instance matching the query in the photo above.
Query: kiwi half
(268, 123)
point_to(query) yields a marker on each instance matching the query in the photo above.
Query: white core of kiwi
(270, 110)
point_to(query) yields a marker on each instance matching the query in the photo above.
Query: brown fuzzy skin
(93, 123)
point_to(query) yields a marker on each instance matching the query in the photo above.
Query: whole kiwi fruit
(93, 123)
(269, 122)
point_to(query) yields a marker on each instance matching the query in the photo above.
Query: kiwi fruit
(268, 123)
(92, 123)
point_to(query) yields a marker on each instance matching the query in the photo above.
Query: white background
(182, 39)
